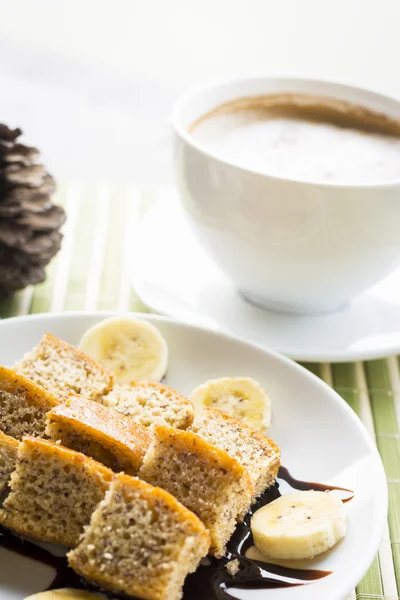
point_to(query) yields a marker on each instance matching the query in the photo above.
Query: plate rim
(381, 498)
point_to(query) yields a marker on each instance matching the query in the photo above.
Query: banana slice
(131, 348)
(66, 594)
(239, 397)
(299, 526)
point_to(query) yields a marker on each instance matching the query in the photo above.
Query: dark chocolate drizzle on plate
(304, 486)
(211, 581)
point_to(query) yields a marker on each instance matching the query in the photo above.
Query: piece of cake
(23, 405)
(205, 479)
(100, 432)
(257, 453)
(151, 403)
(8, 458)
(140, 541)
(62, 369)
(54, 492)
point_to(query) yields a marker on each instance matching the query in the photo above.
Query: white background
(92, 82)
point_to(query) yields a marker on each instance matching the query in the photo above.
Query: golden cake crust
(23, 405)
(256, 452)
(89, 427)
(80, 356)
(204, 478)
(35, 394)
(8, 442)
(188, 441)
(70, 456)
(148, 551)
(62, 369)
(8, 458)
(54, 491)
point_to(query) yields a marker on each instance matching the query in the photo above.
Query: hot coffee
(304, 137)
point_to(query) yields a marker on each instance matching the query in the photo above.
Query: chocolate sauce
(211, 581)
(304, 486)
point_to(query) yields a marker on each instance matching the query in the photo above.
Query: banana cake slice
(204, 478)
(54, 492)
(99, 432)
(62, 369)
(141, 541)
(257, 453)
(8, 458)
(151, 403)
(23, 405)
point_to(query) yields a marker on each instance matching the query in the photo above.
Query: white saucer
(173, 276)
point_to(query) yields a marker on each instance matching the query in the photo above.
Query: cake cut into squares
(257, 453)
(99, 432)
(204, 478)
(150, 403)
(54, 492)
(8, 458)
(141, 541)
(62, 369)
(23, 405)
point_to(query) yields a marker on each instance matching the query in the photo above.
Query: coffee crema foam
(305, 138)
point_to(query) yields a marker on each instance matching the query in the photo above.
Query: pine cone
(29, 222)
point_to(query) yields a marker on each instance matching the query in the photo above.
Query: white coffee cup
(288, 245)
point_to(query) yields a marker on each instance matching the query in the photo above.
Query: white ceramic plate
(175, 277)
(321, 440)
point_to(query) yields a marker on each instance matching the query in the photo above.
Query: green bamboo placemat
(92, 272)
